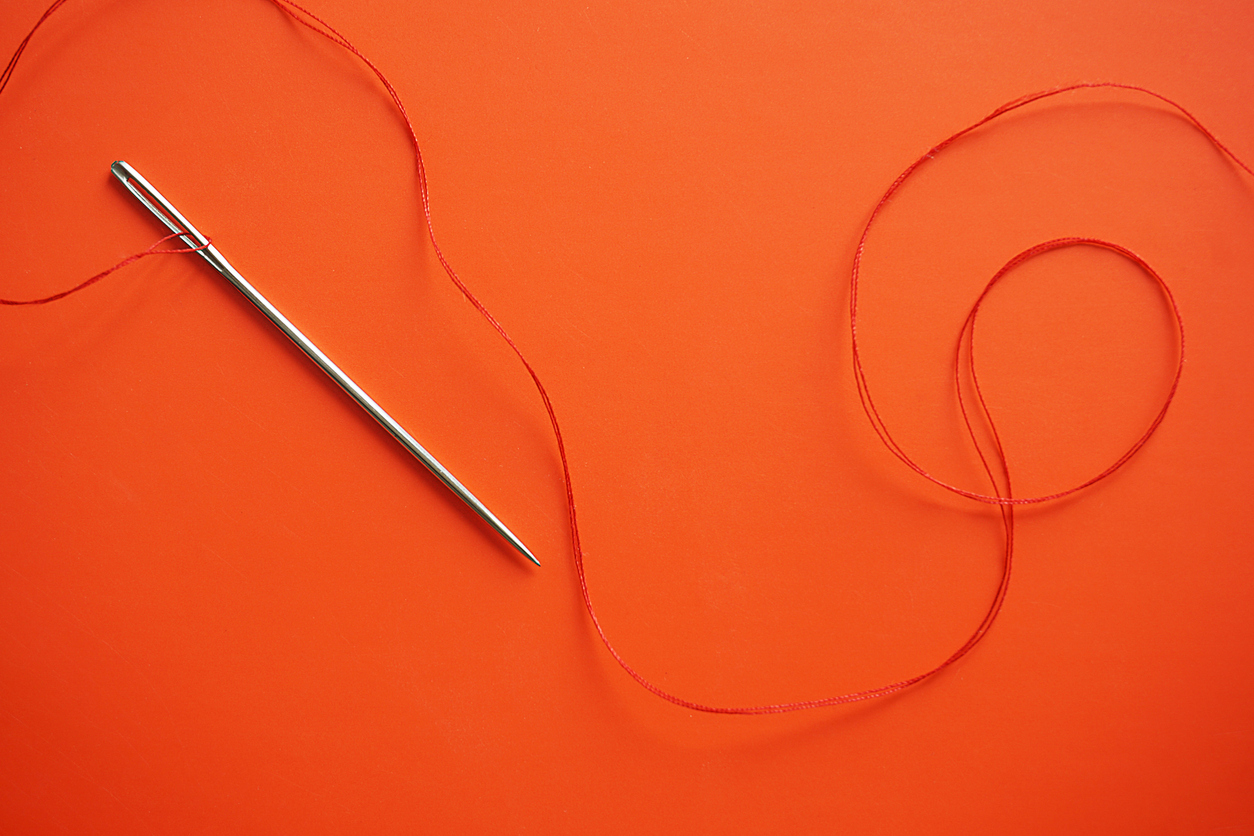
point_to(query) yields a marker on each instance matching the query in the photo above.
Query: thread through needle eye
(198, 243)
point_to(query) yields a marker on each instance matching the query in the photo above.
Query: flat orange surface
(230, 603)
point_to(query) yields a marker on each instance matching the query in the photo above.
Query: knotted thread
(992, 460)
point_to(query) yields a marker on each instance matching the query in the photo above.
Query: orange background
(230, 603)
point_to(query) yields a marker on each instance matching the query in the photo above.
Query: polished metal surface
(189, 235)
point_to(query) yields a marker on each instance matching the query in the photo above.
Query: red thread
(1000, 497)
(968, 334)
(859, 374)
(17, 54)
(123, 263)
(4, 82)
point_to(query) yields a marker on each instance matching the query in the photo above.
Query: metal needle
(168, 215)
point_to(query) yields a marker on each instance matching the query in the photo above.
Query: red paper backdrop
(231, 604)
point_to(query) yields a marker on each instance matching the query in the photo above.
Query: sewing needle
(189, 235)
